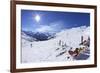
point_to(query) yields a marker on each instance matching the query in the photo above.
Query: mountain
(38, 36)
(55, 49)
(27, 37)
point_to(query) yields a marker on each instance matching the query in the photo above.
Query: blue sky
(52, 21)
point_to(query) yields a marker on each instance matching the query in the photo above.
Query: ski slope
(55, 49)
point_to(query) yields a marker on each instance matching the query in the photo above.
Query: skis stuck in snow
(84, 45)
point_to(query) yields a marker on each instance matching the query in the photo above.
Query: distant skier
(31, 45)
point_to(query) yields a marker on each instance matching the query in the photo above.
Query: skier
(31, 45)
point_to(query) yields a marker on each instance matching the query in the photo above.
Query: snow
(55, 49)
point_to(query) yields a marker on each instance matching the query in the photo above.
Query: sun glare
(37, 18)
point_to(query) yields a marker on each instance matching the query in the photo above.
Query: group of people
(85, 45)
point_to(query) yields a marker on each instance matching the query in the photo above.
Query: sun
(37, 18)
